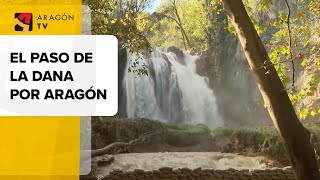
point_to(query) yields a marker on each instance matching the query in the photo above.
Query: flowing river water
(175, 160)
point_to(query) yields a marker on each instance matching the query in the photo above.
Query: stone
(104, 160)
(165, 169)
(178, 52)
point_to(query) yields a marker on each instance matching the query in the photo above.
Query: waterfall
(171, 92)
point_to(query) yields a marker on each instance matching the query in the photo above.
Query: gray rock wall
(237, 94)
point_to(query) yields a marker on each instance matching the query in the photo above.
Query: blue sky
(153, 7)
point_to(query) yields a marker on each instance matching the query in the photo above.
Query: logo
(23, 21)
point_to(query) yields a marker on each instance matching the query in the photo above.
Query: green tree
(292, 44)
(295, 138)
(180, 23)
(124, 19)
(127, 20)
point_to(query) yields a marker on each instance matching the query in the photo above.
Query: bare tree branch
(290, 42)
(121, 147)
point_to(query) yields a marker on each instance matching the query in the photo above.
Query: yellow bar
(46, 146)
(46, 19)
(41, 2)
(39, 177)
(39, 145)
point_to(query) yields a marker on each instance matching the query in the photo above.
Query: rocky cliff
(238, 97)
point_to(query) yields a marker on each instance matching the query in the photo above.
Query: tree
(217, 23)
(295, 138)
(122, 18)
(126, 19)
(175, 17)
(168, 29)
(178, 21)
(291, 37)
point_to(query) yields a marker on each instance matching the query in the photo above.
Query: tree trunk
(295, 138)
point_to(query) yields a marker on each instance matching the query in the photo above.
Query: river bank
(248, 141)
(173, 161)
(177, 146)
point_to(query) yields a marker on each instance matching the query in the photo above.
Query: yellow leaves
(123, 22)
(304, 63)
(313, 113)
(260, 30)
(293, 98)
(318, 64)
(301, 14)
(304, 113)
(312, 75)
(267, 44)
(152, 40)
(141, 24)
(314, 7)
(113, 21)
(128, 15)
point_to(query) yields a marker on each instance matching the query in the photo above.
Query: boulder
(205, 62)
(178, 52)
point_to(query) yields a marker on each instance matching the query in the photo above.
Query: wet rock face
(122, 61)
(237, 95)
(178, 52)
(205, 62)
(166, 173)
(193, 51)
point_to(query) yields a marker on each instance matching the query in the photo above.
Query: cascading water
(172, 91)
